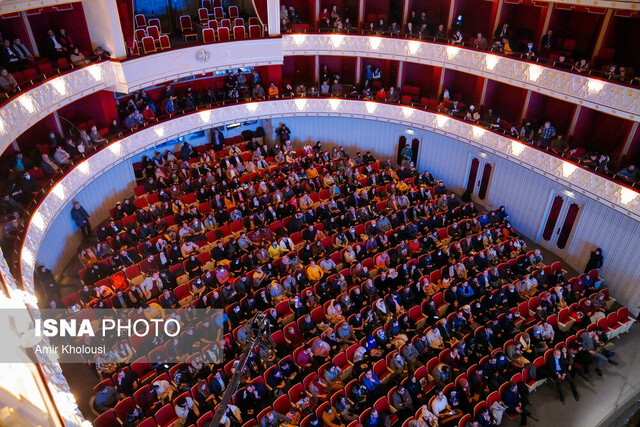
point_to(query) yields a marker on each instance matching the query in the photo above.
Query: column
(496, 16)
(547, 21)
(361, 22)
(400, 75)
(525, 108)
(483, 95)
(358, 70)
(603, 33)
(628, 142)
(452, 11)
(405, 14)
(441, 84)
(34, 46)
(103, 22)
(273, 17)
(574, 121)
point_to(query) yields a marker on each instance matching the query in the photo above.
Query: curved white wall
(522, 181)
(63, 238)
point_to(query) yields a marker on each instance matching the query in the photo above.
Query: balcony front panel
(31, 106)
(172, 64)
(608, 97)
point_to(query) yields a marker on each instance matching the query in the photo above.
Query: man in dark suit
(52, 46)
(516, 401)
(559, 372)
(122, 300)
(8, 57)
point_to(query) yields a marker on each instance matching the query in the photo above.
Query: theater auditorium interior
(407, 213)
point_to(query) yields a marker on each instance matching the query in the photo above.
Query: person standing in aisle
(81, 218)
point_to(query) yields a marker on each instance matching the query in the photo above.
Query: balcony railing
(553, 63)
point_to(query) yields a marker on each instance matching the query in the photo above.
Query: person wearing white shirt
(231, 411)
(286, 245)
(187, 411)
(164, 390)
(426, 418)
(61, 157)
(435, 339)
(53, 47)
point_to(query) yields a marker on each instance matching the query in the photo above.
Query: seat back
(141, 21)
(140, 34)
(237, 22)
(223, 34)
(208, 35)
(213, 24)
(233, 12)
(154, 32)
(203, 15)
(238, 33)
(148, 44)
(155, 22)
(185, 23)
(218, 13)
(226, 23)
(165, 43)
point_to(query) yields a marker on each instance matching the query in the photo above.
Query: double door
(479, 174)
(559, 222)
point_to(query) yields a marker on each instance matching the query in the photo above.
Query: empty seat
(154, 32)
(238, 33)
(223, 34)
(233, 12)
(141, 21)
(155, 22)
(208, 35)
(203, 16)
(187, 28)
(140, 34)
(165, 43)
(148, 44)
(218, 13)
(254, 32)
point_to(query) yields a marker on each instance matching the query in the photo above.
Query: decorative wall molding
(604, 4)
(58, 200)
(35, 104)
(10, 6)
(608, 97)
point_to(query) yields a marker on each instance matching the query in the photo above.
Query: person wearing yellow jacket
(331, 418)
(314, 272)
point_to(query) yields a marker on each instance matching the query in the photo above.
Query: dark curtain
(568, 225)
(125, 10)
(552, 218)
(260, 6)
(415, 147)
(484, 185)
(473, 172)
(402, 142)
